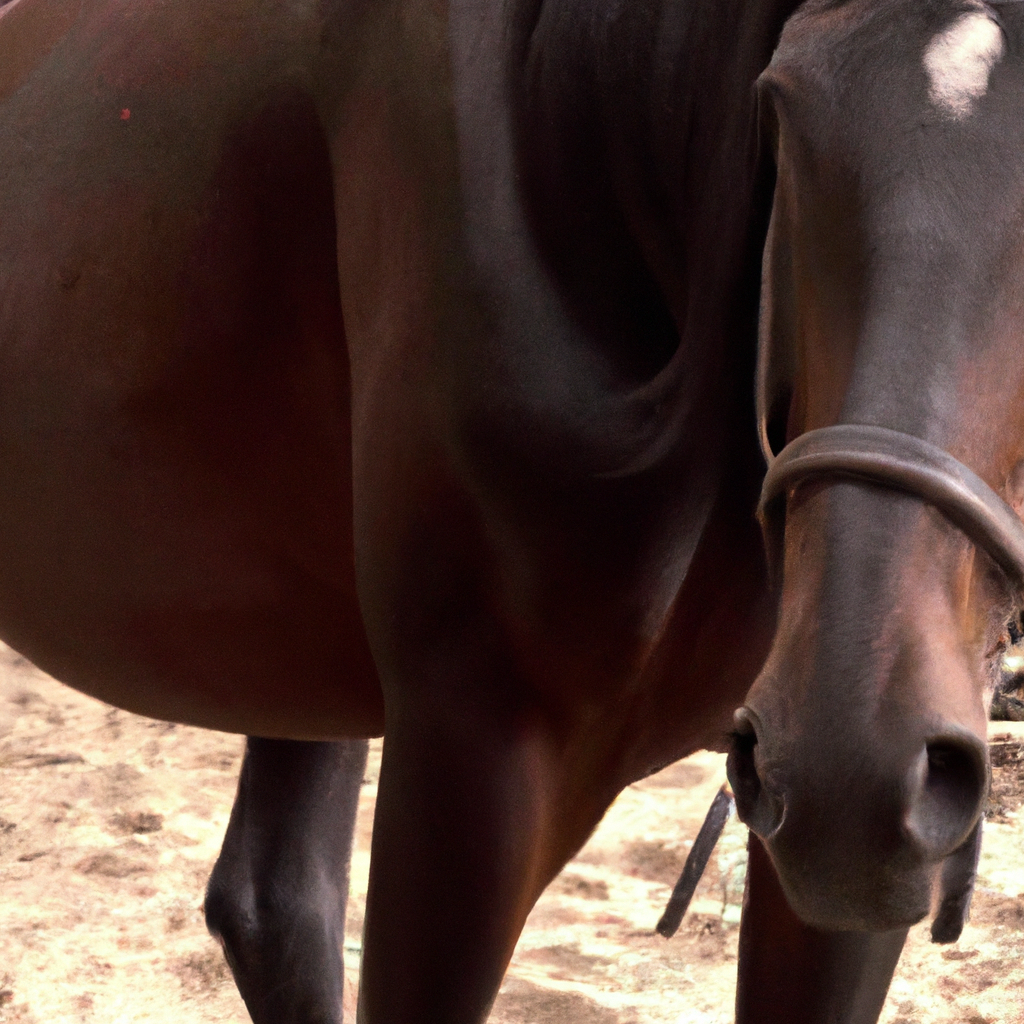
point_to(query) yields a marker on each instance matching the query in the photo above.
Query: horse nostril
(754, 805)
(746, 786)
(951, 782)
(954, 774)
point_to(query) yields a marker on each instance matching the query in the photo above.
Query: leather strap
(903, 462)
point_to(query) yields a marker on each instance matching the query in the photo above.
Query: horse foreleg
(277, 895)
(791, 973)
(464, 840)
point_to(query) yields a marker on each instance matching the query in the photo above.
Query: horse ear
(956, 888)
(776, 343)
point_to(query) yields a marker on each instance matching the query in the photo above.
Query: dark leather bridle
(903, 462)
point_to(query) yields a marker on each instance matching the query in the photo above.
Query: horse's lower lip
(862, 919)
(839, 906)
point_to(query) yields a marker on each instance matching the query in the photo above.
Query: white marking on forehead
(959, 60)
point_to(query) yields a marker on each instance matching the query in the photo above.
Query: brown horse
(384, 366)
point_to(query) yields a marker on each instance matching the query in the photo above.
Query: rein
(890, 458)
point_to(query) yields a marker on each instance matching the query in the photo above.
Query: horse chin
(882, 896)
(867, 904)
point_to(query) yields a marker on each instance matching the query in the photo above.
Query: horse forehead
(959, 61)
(856, 49)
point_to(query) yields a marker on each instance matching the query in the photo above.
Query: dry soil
(109, 824)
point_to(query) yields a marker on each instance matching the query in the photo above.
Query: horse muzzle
(864, 835)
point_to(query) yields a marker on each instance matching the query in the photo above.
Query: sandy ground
(109, 825)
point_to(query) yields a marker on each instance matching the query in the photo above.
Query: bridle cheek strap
(902, 462)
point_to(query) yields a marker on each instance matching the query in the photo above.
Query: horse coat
(385, 366)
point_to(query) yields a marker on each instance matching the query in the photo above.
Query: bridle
(887, 458)
(890, 458)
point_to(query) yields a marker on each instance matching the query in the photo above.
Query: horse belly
(175, 469)
(185, 593)
(187, 554)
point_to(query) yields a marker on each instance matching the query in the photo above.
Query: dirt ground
(109, 824)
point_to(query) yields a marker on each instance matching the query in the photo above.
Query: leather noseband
(903, 462)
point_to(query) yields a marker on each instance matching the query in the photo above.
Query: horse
(385, 367)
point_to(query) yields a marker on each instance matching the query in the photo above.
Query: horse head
(892, 311)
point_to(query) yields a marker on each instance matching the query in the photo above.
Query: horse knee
(284, 951)
(226, 908)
